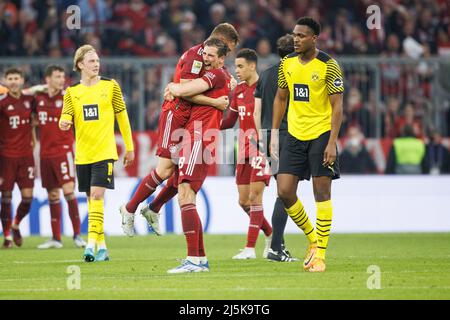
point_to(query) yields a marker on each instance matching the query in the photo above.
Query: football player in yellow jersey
(313, 83)
(91, 106)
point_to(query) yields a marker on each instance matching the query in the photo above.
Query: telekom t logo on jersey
(14, 121)
(42, 117)
(241, 110)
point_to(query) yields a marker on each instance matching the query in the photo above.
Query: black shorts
(304, 158)
(98, 174)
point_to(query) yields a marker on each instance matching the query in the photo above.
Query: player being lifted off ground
(312, 81)
(196, 153)
(56, 153)
(174, 115)
(252, 170)
(265, 92)
(91, 106)
(16, 153)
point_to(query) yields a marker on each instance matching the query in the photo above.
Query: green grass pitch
(412, 266)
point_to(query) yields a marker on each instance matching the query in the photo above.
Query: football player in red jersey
(56, 154)
(197, 149)
(252, 170)
(16, 153)
(174, 116)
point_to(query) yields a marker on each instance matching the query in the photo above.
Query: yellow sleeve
(120, 110)
(282, 83)
(67, 111)
(125, 129)
(333, 77)
(117, 98)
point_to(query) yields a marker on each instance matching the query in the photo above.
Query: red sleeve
(191, 66)
(215, 78)
(233, 102)
(229, 120)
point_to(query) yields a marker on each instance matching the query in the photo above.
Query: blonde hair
(79, 55)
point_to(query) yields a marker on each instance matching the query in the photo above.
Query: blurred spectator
(409, 119)
(217, 15)
(391, 118)
(355, 114)
(264, 51)
(407, 154)
(152, 115)
(355, 158)
(437, 156)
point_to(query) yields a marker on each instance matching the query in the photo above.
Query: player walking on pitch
(16, 154)
(91, 106)
(312, 81)
(252, 170)
(56, 153)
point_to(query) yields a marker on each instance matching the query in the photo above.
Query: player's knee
(286, 194)
(164, 172)
(255, 198)
(53, 195)
(6, 195)
(245, 205)
(185, 194)
(322, 195)
(96, 195)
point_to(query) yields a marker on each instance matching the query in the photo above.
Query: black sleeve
(258, 89)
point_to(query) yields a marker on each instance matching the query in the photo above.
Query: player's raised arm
(120, 111)
(67, 113)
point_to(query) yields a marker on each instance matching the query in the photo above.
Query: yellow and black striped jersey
(309, 87)
(92, 109)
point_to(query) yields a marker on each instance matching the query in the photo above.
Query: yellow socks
(95, 224)
(323, 226)
(298, 214)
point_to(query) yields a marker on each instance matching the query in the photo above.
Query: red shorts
(257, 170)
(57, 171)
(192, 167)
(173, 117)
(16, 170)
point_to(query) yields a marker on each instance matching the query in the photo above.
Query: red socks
(5, 215)
(257, 222)
(147, 186)
(22, 210)
(167, 193)
(55, 214)
(191, 224)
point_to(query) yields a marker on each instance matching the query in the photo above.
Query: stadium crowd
(164, 28)
(156, 28)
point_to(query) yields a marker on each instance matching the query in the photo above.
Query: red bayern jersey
(219, 84)
(15, 125)
(54, 141)
(243, 102)
(189, 66)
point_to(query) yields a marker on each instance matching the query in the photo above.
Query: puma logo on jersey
(10, 107)
(41, 103)
(240, 96)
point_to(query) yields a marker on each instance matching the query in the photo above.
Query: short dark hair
(222, 48)
(51, 68)
(408, 131)
(248, 54)
(227, 31)
(14, 70)
(285, 45)
(311, 23)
